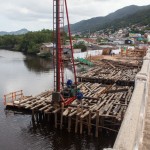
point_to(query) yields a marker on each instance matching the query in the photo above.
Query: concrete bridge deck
(134, 133)
(145, 144)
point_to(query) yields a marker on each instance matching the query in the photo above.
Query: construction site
(97, 99)
(107, 90)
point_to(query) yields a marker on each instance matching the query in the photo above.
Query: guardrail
(131, 132)
(11, 97)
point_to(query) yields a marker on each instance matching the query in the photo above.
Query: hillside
(99, 22)
(19, 32)
(139, 18)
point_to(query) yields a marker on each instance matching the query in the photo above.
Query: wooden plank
(97, 123)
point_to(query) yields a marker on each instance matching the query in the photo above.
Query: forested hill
(29, 43)
(140, 18)
(120, 15)
(19, 32)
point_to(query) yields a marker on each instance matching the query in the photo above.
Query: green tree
(80, 45)
(28, 43)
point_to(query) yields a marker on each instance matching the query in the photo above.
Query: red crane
(62, 94)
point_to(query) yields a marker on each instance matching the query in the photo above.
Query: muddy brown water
(34, 75)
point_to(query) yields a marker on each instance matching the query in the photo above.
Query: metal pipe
(58, 46)
(69, 31)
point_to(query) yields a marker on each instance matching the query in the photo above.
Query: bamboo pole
(69, 124)
(89, 123)
(61, 119)
(97, 123)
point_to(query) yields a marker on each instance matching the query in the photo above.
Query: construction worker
(69, 83)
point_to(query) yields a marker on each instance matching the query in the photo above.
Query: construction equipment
(63, 93)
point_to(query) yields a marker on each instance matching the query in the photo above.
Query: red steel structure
(59, 9)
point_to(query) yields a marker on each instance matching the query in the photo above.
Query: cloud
(22, 11)
(37, 14)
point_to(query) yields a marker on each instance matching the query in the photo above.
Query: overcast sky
(37, 14)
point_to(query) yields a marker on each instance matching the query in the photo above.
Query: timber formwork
(103, 106)
(111, 72)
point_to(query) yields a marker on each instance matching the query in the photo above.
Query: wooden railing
(11, 97)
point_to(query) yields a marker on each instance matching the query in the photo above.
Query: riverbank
(28, 43)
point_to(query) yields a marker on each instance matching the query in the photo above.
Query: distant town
(105, 42)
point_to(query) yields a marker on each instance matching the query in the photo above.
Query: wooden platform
(103, 106)
(101, 102)
(111, 72)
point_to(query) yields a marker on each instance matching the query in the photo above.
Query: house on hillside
(90, 41)
(118, 42)
(87, 41)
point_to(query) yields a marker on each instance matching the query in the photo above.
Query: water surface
(34, 75)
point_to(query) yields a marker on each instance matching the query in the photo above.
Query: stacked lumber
(111, 72)
(99, 104)
(102, 106)
(107, 100)
(134, 52)
(34, 102)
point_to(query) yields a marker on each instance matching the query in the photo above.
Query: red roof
(90, 40)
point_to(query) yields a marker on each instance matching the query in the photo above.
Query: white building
(148, 38)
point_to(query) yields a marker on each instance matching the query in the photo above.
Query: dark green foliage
(140, 18)
(9, 41)
(80, 45)
(121, 18)
(28, 43)
(19, 32)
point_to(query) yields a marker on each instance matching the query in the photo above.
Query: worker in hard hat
(69, 83)
(79, 94)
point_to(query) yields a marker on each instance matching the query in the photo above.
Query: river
(34, 75)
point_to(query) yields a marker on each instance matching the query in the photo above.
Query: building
(134, 35)
(87, 41)
(68, 42)
(148, 38)
(118, 42)
(46, 48)
(128, 42)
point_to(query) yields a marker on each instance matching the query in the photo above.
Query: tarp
(87, 54)
(116, 51)
(84, 61)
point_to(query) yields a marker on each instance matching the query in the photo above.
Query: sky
(37, 14)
